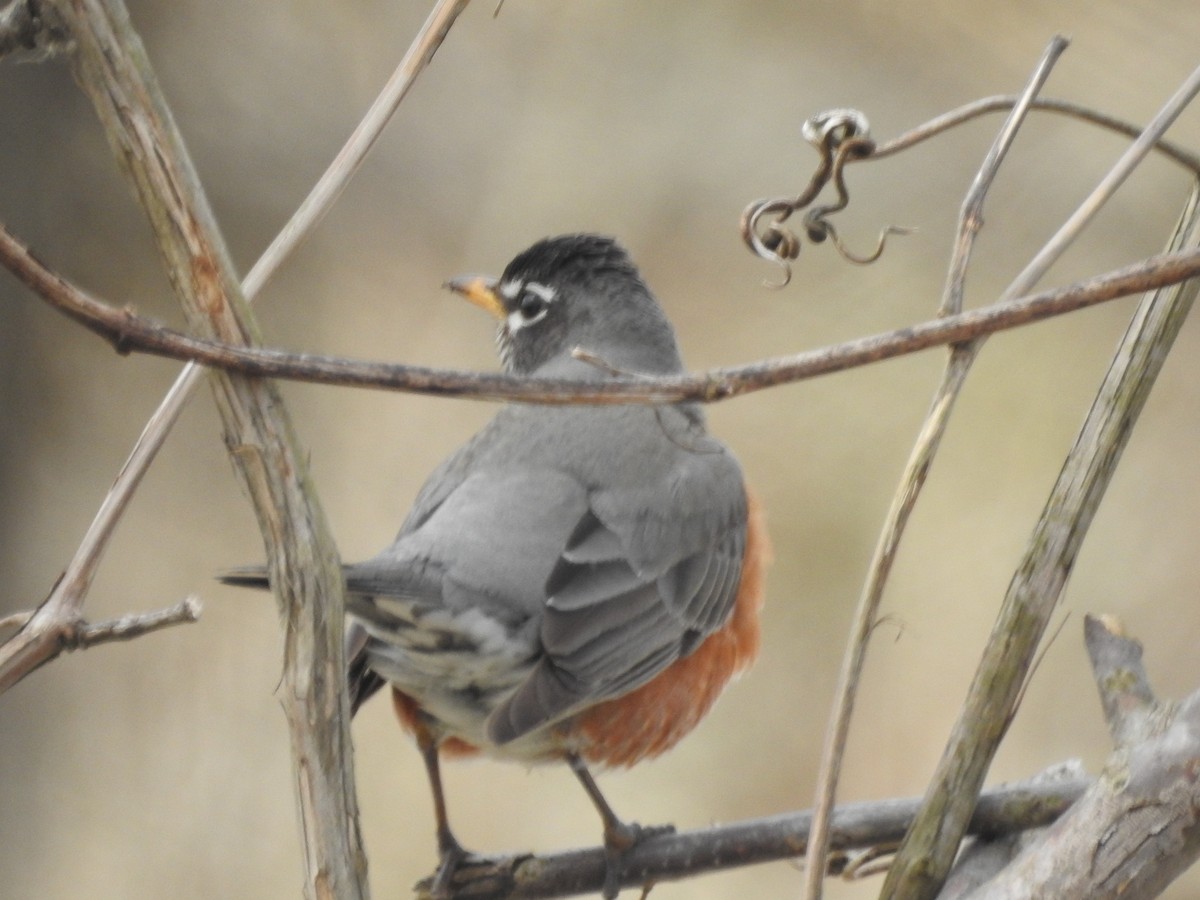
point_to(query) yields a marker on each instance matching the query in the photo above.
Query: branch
(684, 854)
(128, 332)
(1138, 826)
(1175, 152)
(76, 634)
(931, 845)
(1130, 160)
(962, 355)
(111, 65)
(27, 651)
(1129, 705)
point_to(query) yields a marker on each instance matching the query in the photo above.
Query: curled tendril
(839, 135)
(829, 129)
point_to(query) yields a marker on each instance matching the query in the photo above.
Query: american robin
(575, 583)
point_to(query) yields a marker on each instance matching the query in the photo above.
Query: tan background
(160, 768)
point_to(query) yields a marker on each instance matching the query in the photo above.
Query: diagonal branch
(111, 65)
(1136, 828)
(962, 355)
(1033, 594)
(27, 650)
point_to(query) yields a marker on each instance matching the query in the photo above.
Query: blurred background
(161, 767)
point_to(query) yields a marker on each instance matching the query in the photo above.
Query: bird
(576, 583)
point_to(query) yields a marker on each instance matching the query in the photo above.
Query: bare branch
(935, 837)
(112, 67)
(1130, 160)
(664, 857)
(134, 625)
(26, 651)
(129, 332)
(915, 472)
(985, 105)
(1136, 828)
(1130, 709)
(65, 634)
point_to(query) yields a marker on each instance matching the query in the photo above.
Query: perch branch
(128, 332)
(962, 355)
(931, 844)
(664, 857)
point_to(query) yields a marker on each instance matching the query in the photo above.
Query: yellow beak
(480, 290)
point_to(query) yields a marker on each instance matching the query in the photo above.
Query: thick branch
(684, 854)
(111, 65)
(1033, 594)
(1138, 826)
(129, 332)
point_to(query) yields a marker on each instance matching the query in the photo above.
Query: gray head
(577, 290)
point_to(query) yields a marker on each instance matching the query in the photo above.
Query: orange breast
(653, 718)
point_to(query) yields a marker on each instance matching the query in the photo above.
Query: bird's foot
(458, 867)
(619, 839)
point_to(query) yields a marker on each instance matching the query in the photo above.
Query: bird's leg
(450, 852)
(619, 836)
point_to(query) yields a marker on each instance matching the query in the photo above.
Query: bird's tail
(246, 576)
(361, 681)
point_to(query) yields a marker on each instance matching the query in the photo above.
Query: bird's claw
(451, 858)
(619, 839)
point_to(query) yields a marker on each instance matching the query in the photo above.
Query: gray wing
(455, 603)
(639, 585)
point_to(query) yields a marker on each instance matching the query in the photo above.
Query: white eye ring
(533, 303)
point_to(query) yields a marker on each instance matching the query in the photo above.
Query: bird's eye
(531, 306)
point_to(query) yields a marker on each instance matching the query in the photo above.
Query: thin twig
(932, 842)
(78, 634)
(1108, 185)
(1000, 103)
(913, 478)
(128, 332)
(348, 160)
(133, 625)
